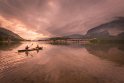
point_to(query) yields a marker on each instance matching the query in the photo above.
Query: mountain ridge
(6, 34)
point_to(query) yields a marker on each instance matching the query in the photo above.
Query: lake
(69, 63)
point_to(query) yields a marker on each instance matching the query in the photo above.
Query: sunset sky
(33, 19)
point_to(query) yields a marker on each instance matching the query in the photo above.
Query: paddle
(30, 45)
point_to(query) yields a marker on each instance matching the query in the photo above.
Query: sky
(33, 19)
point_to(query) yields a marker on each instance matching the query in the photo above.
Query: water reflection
(9, 46)
(28, 53)
(65, 64)
(112, 52)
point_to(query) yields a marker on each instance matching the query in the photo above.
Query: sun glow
(20, 28)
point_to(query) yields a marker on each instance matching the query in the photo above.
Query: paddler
(27, 47)
(37, 47)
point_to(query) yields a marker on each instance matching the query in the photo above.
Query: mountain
(101, 34)
(107, 30)
(7, 34)
(110, 30)
(74, 36)
(121, 35)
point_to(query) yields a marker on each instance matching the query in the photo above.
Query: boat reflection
(29, 53)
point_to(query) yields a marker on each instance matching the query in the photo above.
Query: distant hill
(106, 30)
(103, 31)
(117, 25)
(100, 35)
(5, 34)
(121, 35)
(74, 36)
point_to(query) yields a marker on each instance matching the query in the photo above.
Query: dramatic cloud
(44, 18)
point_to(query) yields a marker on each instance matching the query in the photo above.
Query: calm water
(73, 63)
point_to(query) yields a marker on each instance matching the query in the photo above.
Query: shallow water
(73, 63)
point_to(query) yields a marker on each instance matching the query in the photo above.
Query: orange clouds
(19, 28)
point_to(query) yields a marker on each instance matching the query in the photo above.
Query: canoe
(33, 49)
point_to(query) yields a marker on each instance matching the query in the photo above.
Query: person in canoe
(37, 47)
(27, 47)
